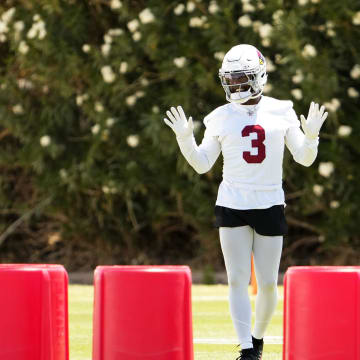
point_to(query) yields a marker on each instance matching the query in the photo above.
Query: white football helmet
(243, 73)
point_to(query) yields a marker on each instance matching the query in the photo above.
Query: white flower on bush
(270, 67)
(109, 189)
(334, 204)
(352, 92)
(139, 94)
(297, 94)
(213, 7)
(326, 169)
(330, 33)
(155, 109)
(81, 98)
(133, 140)
(137, 36)
(3, 27)
(95, 129)
(179, 9)
(18, 109)
(309, 51)
(197, 21)
(219, 55)
(318, 189)
(25, 84)
(265, 30)
(115, 32)
(108, 39)
(256, 25)
(356, 18)
(245, 21)
(105, 49)
(146, 16)
(18, 28)
(303, 2)
(144, 82)
(266, 42)
(131, 100)
(99, 107)
(8, 15)
(247, 7)
(133, 25)
(298, 77)
(267, 88)
(115, 4)
(333, 105)
(45, 141)
(108, 74)
(63, 174)
(277, 16)
(355, 72)
(37, 29)
(190, 6)
(3, 38)
(23, 47)
(344, 130)
(110, 122)
(180, 62)
(86, 48)
(123, 67)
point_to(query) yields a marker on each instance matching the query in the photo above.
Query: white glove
(178, 122)
(316, 117)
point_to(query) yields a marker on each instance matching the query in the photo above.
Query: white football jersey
(251, 140)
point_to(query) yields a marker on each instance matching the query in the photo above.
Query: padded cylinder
(142, 312)
(33, 312)
(322, 313)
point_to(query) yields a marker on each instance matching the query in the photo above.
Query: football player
(251, 132)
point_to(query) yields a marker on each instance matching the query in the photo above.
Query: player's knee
(238, 279)
(268, 288)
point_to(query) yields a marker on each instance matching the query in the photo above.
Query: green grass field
(214, 335)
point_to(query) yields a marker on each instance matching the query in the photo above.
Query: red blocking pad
(142, 312)
(33, 312)
(322, 313)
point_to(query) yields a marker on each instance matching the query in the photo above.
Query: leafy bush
(87, 164)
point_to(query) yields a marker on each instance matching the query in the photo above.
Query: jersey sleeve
(291, 118)
(303, 150)
(202, 157)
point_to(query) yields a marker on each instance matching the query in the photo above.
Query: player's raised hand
(316, 117)
(178, 122)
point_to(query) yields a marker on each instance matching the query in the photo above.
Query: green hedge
(89, 168)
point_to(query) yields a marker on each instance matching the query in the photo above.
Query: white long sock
(236, 245)
(267, 254)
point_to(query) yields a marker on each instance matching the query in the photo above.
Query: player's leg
(267, 254)
(236, 245)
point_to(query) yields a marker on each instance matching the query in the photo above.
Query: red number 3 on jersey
(255, 143)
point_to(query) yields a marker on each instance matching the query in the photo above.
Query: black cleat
(258, 347)
(247, 354)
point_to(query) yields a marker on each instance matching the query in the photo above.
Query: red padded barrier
(33, 312)
(142, 312)
(322, 313)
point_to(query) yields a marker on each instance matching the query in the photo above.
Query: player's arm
(201, 157)
(303, 145)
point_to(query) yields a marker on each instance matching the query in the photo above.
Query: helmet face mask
(243, 73)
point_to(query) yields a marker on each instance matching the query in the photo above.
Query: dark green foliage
(120, 190)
